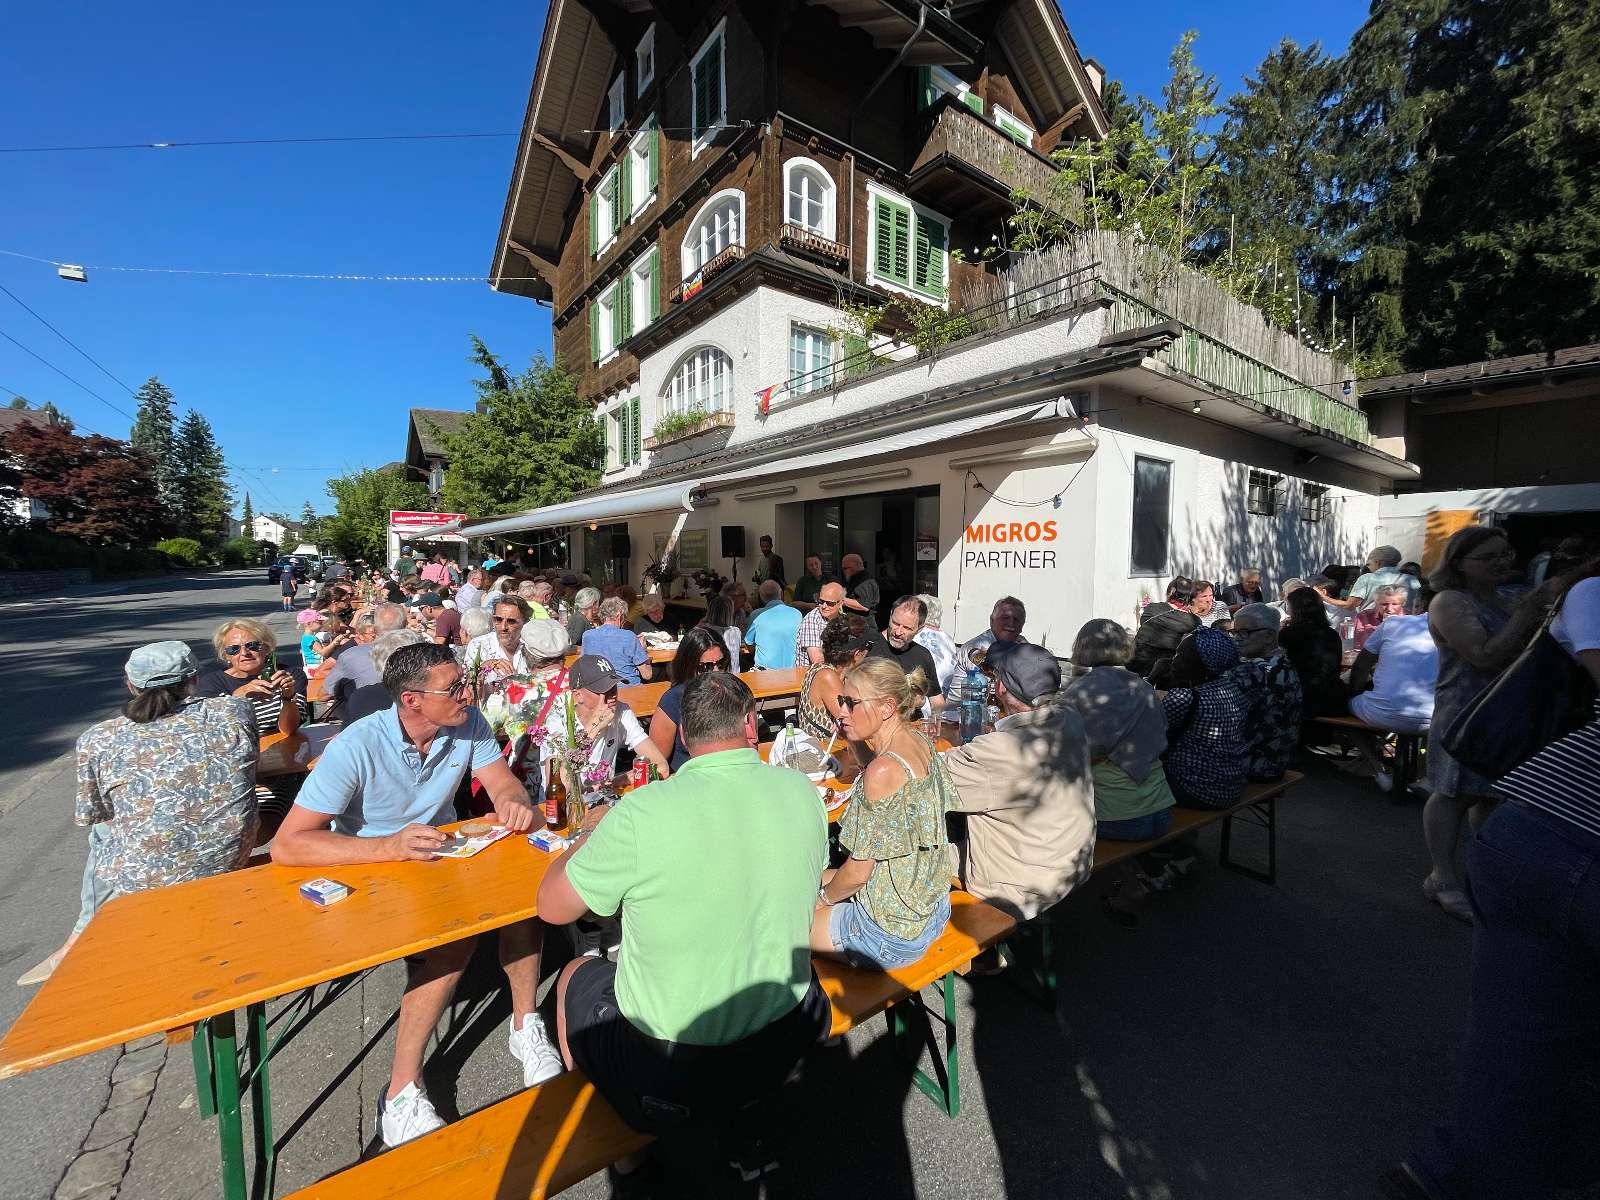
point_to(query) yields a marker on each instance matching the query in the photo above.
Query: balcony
(968, 166)
(692, 285)
(799, 240)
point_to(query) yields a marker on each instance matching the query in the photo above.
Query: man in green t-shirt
(712, 1000)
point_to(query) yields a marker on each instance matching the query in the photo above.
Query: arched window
(808, 197)
(703, 379)
(718, 225)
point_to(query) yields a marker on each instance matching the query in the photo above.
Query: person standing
(1479, 634)
(773, 629)
(288, 585)
(384, 785)
(861, 592)
(406, 565)
(769, 565)
(711, 1001)
(1383, 571)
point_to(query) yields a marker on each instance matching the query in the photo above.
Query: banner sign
(423, 520)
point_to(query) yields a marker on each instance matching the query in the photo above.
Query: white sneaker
(531, 1046)
(408, 1115)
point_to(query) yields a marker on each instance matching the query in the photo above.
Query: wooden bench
(545, 1139)
(1407, 748)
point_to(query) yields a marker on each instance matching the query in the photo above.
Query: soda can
(641, 771)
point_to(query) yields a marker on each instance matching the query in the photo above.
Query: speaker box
(733, 541)
(621, 545)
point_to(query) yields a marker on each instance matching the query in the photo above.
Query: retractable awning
(617, 506)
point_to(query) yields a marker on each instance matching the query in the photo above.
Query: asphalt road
(61, 663)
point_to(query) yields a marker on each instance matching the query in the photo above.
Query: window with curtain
(719, 225)
(809, 193)
(703, 380)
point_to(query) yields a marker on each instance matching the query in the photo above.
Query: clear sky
(302, 379)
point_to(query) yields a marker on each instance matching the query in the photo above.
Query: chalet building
(708, 196)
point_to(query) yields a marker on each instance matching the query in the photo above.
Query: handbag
(1543, 695)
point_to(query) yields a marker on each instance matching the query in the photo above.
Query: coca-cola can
(641, 771)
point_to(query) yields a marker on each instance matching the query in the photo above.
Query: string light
(341, 277)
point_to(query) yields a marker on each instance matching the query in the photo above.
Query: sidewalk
(1245, 1042)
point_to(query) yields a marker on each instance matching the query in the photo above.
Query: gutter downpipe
(850, 133)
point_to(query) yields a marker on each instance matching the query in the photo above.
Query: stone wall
(26, 583)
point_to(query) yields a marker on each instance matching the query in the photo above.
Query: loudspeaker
(733, 541)
(621, 546)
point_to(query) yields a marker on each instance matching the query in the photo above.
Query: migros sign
(1015, 544)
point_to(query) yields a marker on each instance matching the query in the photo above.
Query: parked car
(275, 570)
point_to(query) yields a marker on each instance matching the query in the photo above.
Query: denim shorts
(860, 939)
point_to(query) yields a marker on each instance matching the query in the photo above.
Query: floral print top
(905, 835)
(176, 796)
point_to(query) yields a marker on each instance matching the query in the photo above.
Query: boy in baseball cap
(603, 724)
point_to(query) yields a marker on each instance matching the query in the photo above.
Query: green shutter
(891, 241)
(594, 332)
(638, 451)
(616, 198)
(594, 223)
(708, 87)
(655, 282)
(926, 95)
(625, 307)
(625, 188)
(929, 275)
(655, 155)
(624, 436)
(973, 101)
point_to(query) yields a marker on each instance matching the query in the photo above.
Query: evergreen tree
(154, 437)
(204, 498)
(535, 443)
(310, 524)
(247, 517)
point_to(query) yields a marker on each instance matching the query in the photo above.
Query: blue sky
(303, 380)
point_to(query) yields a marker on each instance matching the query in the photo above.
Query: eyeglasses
(705, 668)
(253, 647)
(829, 603)
(461, 687)
(848, 703)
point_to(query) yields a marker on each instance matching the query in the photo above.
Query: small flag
(764, 398)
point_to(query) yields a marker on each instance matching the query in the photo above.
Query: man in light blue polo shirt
(377, 795)
(773, 629)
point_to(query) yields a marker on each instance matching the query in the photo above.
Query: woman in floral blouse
(167, 788)
(891, 898)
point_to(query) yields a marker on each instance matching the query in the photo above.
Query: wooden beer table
(766, 685)
(293, 753)
(195, 953)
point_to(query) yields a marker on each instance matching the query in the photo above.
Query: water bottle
(974, 703)
(788, 744)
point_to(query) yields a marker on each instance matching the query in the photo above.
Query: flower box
(716, 420)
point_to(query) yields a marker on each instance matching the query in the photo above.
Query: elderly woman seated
(1208, 749)
(1392, 685)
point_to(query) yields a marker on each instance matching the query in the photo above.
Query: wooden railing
(709, 272)
(797, 237)
(962, 134)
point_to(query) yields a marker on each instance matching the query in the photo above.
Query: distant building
(24, 508)
(426, 429)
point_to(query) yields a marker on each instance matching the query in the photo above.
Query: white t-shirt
(625, 730)
(487, 647)
(1577, 625)
(1408, 665)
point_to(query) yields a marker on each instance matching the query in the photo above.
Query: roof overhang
(1036, 40)
(576, 62)
(937, 40)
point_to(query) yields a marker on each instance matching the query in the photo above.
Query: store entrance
(896, 534)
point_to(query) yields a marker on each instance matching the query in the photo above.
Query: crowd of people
(490, 691)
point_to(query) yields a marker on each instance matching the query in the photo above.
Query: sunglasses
(462, 687)
(848, 703)
(829, 603)
(253, 647)
(706, 668)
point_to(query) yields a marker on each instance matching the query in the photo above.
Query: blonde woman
(891, 898)
(246, 650)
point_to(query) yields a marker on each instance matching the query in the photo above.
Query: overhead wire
(283, 141)
(97, 363)
(75, 382)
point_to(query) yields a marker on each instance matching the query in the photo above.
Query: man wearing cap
(167, 789)
(1027, 789)
(619, 647)
(1383, 570)
(1271, 687)
(602, 722)
(379, 792)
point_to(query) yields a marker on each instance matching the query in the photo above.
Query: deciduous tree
(359, 525)
(96, 488)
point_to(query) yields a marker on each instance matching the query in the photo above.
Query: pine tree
(203, 495)
(309, 522)
(247, 517)
(153, 436)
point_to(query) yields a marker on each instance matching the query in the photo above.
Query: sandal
(1453, 900)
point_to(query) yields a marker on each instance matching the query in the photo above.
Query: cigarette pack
(324, 891)
(549, 840)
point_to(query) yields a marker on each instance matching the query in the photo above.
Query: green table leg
(221, 1087)
(261, 1100)
(944, 1086)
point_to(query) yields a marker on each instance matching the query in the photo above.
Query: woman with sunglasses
(891, 898)
(700, 651)
(277, 697)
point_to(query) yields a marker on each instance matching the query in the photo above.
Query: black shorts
(659, 1086)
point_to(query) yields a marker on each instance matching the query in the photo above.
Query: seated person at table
(712, 1000)
(699, 651)
(1386, 602)
(384, 784)
(889, 901)
(1026, 789)
(585, 614)
(1208, 750)
(937, 642)
(1161, 627)
(475, 622)
(652, 616)
(1317, 654)
(601, 722)
(808, 639)
(899, 644)
(1272, 686)
(1392, 684)
(1006, 620)
(618, 646)
(818, 700)
(354, 668)
(500, 653)
(773, 629)
(167, 789)
(1127, 734)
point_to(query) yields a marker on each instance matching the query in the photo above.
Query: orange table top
(315, 692)
(766, 685)
(293, 753)
(163, 959)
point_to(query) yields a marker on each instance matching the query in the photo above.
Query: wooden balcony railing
(803, 241)
(963, 135)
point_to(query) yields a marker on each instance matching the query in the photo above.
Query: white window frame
(614, 448)
(617, 101)
(1009, 123)
(951, 84)
(686, 258)
(815, 383)
(830, 191)
(703, 137)
(697, 361)
(638, 167)
(918, 213)
(638, 281)
(607, 302)
(644, 53)
(610, 227)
